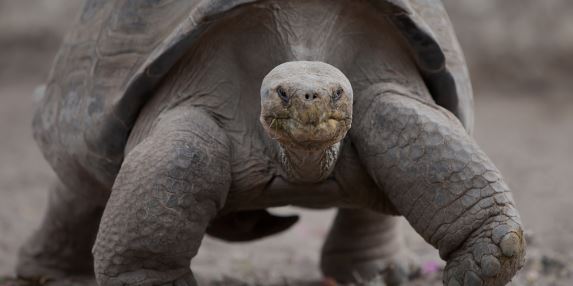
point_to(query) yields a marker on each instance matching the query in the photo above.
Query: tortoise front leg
(168, 189)
(443, 183)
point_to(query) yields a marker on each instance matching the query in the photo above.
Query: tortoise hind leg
(363, 245)
(61, 247)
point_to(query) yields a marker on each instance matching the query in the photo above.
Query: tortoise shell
(118, 51)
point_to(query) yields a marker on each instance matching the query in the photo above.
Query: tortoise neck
(304, 166)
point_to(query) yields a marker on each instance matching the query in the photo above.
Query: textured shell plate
(118, 51)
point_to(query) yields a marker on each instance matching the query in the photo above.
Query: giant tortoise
(169, 119)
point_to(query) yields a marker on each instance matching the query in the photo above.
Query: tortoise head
(306, 105)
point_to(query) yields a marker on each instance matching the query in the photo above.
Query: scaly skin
(362, 245)
(439, 179)
(170, 186)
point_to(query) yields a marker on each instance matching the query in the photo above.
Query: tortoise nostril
(309, 96)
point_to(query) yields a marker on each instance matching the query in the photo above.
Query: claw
(487, 258)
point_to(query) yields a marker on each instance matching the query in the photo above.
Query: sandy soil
(527, 131)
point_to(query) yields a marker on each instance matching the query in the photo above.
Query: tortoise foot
(363, 247)
(392, 270)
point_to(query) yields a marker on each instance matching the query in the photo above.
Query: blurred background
(520, 54)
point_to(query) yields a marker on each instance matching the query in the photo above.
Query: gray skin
(219, 142)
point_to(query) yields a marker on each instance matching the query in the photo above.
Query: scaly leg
(442, 182)
(362, 245)
(168, 189)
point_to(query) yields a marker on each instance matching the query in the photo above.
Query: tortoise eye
(282, 94)
(337, 94)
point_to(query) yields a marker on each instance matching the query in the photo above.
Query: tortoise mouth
(311, 134)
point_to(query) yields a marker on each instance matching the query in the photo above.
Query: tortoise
(168, 120)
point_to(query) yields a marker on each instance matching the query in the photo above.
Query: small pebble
(532, 276)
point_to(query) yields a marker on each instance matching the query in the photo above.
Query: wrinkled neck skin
(308, 166)
(299, 43)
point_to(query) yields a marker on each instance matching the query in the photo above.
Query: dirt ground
(527, 129)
